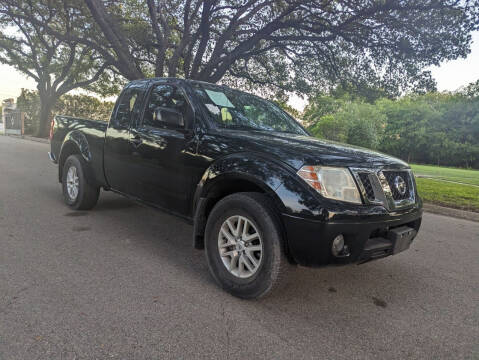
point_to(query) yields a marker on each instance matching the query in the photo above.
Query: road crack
(12, 300)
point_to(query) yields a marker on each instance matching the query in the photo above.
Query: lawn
(463, 176)
(439, 185)
(449, 194)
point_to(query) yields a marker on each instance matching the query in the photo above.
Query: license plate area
(401, 238)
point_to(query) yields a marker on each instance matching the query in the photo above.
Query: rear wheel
(243, 245)
(78, 192)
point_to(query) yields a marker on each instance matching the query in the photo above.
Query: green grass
(463, 176)
(448, 194)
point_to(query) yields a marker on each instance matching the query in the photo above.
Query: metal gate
(13, 122)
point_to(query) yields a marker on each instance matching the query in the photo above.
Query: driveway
(124, 282)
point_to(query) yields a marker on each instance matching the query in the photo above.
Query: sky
(450, 76)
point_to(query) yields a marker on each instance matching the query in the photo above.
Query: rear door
(163, 146)
(117, 148)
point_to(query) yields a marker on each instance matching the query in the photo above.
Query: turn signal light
(309, 174)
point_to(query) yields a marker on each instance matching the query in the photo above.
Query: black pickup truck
(261, 192)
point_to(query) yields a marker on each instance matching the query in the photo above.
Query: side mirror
(170, 117)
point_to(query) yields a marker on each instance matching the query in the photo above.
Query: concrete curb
(456, 213)
(31, 138)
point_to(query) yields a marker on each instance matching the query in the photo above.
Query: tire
(271, 262)
(87, 194)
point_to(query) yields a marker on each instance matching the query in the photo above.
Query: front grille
(368, 188)
(391, 177)
(383, 187)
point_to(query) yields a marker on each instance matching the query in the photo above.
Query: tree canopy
(287, 44)
(280, 44)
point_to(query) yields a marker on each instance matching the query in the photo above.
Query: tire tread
(88, 193)
(280, 266)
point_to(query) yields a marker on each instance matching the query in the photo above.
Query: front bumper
(367, 234)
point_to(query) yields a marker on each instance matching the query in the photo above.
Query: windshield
(234, 109)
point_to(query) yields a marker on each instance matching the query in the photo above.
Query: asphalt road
(124, 282)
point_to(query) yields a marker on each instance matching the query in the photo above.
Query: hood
(299, 150)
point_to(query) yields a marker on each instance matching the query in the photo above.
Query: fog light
(338, 245)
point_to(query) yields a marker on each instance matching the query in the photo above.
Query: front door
(162, 146)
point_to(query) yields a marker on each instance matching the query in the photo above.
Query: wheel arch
(74, 143)
(239, 173)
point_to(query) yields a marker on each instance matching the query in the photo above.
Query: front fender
(278, 180)
(264, 173)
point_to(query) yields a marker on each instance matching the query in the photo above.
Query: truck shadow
(115, 203)
(316, 303)
(170, 238)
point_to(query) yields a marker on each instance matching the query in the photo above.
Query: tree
(293, 45)
(407, 126)
(332, 128)
(57, 65)
(78, 105)
(321, 105)
(283, 104)
(471, 90)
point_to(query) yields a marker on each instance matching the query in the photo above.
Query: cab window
(167, 107)
(128, 106)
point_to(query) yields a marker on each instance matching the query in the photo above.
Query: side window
(128, 106)
(166, 107)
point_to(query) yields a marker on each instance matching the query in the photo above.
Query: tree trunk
(46, 106)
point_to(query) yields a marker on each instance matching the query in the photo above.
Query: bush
(355, 123)
(434, 128)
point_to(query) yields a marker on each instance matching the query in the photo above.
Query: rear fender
(75, 142)
(79, 139)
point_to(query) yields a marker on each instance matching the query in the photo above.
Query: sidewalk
(31, 138)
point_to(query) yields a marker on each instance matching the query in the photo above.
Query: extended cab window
(166, 107)
(128, 106)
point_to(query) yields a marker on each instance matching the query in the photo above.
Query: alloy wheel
(73, 183)
(240, 246)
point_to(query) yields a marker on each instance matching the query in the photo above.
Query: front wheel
(78, 192)
(244, 247)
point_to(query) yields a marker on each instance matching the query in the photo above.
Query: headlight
(331, 182)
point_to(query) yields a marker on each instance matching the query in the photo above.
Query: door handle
(136, 140)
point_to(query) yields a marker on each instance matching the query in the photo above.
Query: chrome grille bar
(375, 187)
